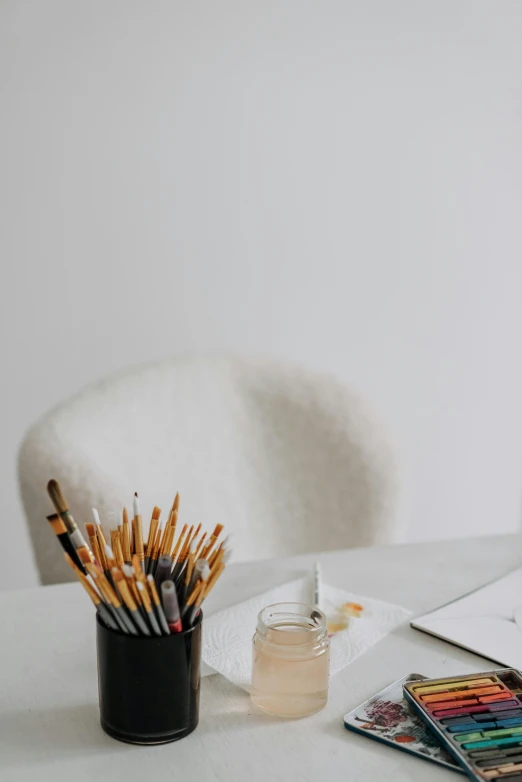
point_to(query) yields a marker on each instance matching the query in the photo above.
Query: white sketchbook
(487, 621)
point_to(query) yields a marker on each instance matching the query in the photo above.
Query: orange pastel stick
(449, 696)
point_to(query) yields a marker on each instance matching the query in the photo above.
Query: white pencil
(317, 585)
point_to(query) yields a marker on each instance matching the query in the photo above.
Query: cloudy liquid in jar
(290, 665)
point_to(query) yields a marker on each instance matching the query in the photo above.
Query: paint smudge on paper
(339, 619)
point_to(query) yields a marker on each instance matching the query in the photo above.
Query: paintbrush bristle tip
(57, 498)
(84, 555)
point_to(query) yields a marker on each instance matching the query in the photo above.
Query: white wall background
(335, 182)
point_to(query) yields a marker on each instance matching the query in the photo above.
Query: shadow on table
(228, 708)
(37, 736)
(236, 720)
(52, 734)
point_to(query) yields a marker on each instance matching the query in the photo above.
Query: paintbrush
(132, 607)
(212, 540)
(109, 555)
(58, 500)
(139, 575)
(192, 599)
(201, 571)
(119, 579)
(190, 563)
(116, 547)
(156, 549)
(206, 587)
(101, 539)
(185, 574)
(100, 606)
(105, 590)
(202, 590)
(199, 546)
(157, 605)
(173, 515)
(138, 534)
(147, 605)
(93, 540)
(128, 572)
(168, 540)
(178, 545)
(179, 567)
(60, 530)
(151, 536)
(126, 538)
(116, 603)
(178, 548)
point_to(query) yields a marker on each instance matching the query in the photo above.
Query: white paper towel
(227, 635)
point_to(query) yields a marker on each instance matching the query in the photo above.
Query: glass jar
(291, 660)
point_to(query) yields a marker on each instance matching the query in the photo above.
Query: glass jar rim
(305, 617)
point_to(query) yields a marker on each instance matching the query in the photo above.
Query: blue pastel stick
(498, 715)
(472, 727)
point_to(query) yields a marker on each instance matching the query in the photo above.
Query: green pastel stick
(493, 743)
(469, 736)
(502, 732)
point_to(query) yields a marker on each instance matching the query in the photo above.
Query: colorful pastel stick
(480, 708)
(508, 768)
(452, 685)
(462, 720)
(465, 737)
(469, 727)
(501, 696)
(495, 753)
(499, 715)
(451, 705)
(447, 696)
(494, 743)
(494, 761)
(514, 704)
(502, 733)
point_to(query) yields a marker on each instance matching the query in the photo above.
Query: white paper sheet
(488, 621)
(227, 635)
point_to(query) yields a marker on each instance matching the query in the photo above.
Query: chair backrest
(287, 459)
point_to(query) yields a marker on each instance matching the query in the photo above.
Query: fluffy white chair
(287, 459)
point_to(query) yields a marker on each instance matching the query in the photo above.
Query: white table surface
(49, 722)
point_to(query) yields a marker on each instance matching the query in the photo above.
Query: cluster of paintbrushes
(152, 588)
